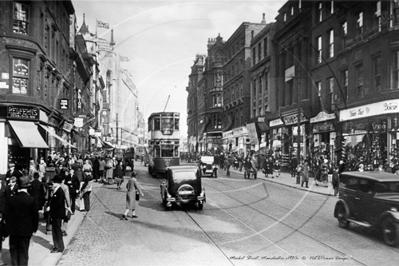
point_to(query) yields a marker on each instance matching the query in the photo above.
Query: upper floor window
(377, 18)
(253, 56)
(319, 49)
(377, 73)
(285, 17)
(330, 44)
(360, 92)
(320, 12)
(332, 7)
(395, 69)
(259, 52)
(299, 4)
(344, 33)
(20, 76)
(359, 24)
(344, 82)
(330, 90)
(292, 11)
(20, 18)
(318, 87)
(265, 51)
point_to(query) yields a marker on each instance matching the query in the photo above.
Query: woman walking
(133, 193)
(119, 173)
(109, 168)
(303, 170)
(84, 193)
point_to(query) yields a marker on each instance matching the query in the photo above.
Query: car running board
(359, 223)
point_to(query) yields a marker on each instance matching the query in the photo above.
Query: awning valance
(28, 134)
(64, 142)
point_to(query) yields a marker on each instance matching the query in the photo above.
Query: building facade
(38, 89)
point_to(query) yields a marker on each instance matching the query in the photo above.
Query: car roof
(183, 167)
(376, 176)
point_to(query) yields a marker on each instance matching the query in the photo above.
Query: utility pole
(298, 154)
(117, 130)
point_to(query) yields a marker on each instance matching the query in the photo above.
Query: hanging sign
(20, 112)
(64, 104)
(78, 122)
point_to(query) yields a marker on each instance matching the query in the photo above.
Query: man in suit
(22, 220)
(12, 172)
(57, 214)
(38, 191)
(5, 194)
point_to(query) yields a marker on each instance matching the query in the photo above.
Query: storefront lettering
(323, 127)
(390, 106)
(293, 119)
(23, 112)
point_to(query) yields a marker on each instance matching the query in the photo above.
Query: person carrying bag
(133, 193)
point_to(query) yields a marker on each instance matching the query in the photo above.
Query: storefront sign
(64, 104)
(237, 132)
(374, 109)
(293, 119)
(275, 123)
(78, 122)
(67, 127)
(322, 116)
(253, 136)
(30, 113)
(326, 126)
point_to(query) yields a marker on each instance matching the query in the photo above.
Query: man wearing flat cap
(12, 171)
(22, 219)
(57, 214)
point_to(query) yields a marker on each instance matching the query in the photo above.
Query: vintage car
(208, 166)
(370, 199)
(183, 185)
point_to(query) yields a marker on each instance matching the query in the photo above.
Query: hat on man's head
(11, 165)
(57, 179)
(23, 182)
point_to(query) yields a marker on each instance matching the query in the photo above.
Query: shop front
(293, 140)
(21, 138)
(323, 138)
(235, 140)
(370, 134)
(214, 142)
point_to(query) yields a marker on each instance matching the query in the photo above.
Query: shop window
(20, 80)
(20, 18)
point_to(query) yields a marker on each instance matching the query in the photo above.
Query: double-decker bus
(163, 145)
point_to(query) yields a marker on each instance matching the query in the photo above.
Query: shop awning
(64, 142)
(28, 134)
(104, 144)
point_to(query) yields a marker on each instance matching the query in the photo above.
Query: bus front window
(167, 151)
(157, 124)
(176, 151)
(157, 151)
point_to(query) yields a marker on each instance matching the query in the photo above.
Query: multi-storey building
(39, 84)
(213, 80)
(236, 86)
(263, 87)
(192, 103)
(295, 96)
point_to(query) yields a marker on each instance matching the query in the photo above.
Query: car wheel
(341, 213)
(390, 232)
(164, 199)
(200, 205)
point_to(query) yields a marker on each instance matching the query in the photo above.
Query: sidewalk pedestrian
(303, 170)
(57, 214)
(335, 181)
(228, 164)
(101, 169)
(73, 184)
(119, 173)
(132, 196)
(42, 169)
(294, 165)
(22, 219)
(5, 195)
(84, 193)
(38, 191)
(277, 167)
(68, 211)
(109, 167)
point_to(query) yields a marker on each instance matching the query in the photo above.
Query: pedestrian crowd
(51, 187)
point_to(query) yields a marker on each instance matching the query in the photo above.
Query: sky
(161, 39)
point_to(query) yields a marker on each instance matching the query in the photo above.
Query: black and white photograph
(199, 132)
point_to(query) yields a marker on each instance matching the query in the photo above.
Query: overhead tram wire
(166, 104)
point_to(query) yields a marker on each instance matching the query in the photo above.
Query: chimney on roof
(112, 42)
(264, 19)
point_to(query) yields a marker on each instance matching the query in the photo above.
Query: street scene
(199, 133)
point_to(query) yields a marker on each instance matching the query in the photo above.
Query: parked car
(182, 186)
(208, 166)
(370, 199)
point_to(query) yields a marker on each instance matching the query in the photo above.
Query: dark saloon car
(183, 185)
(370, 199)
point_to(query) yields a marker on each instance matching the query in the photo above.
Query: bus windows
(157, 124)
(157, 152)
(167, 151)
(176, 123)
(176, 150)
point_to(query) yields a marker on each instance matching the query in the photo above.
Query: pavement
(41, 243)
(286, 179)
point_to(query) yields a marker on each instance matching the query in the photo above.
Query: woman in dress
(109, 168)
(132, 187)
(119, 175)
(84, 193)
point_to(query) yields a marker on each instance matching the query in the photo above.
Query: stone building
(39, 84)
